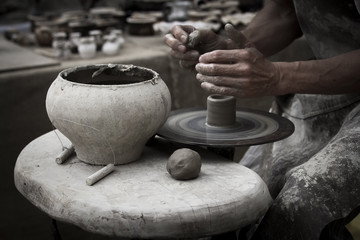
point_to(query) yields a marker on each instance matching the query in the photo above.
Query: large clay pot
(108, 112)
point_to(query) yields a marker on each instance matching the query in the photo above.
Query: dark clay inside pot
(104, 75)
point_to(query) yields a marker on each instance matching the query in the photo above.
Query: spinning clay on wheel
(184, 164)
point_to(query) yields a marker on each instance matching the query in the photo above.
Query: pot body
(108, 120)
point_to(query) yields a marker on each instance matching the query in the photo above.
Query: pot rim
(125, 67)
(145, 19)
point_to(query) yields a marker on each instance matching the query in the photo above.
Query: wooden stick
(65, 154)
(100, 174)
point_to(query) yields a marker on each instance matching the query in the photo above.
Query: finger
(194, 39)
(182, 32)
(187, 64)
(237, 37)
(188, 56)
(213, 69)
(227, 56)
(174, 43)
(211, 88)
(254, 54)
(224, 81)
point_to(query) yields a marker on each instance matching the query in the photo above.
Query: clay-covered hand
(187, 43)
(238, 72)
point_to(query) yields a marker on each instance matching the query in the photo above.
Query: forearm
(274, 27)
(335, 75)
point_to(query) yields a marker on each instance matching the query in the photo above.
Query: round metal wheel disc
(252, 127)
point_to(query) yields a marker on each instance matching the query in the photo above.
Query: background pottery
(87, 47)
(108, 112)
(141, 25)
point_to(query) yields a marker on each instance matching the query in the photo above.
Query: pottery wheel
(252, 127)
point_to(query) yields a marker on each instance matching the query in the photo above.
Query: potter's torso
(331, 28)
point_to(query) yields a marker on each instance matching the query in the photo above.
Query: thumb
(237, 37)
(194, 39)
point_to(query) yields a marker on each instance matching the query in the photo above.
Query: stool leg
(55, 230)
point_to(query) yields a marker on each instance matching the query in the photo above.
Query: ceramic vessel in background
(61, 46)
(43, 36)
(108, 111)
(177, 10)
(97, 35)
(141, 25)
(81, 26)
(102, 12)
(87, 47)
(74, 15)
(75, 41)
(111, 45)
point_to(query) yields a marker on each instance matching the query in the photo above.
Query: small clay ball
(184, 164)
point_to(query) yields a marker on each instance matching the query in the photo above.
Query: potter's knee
(286, 219)
(296, 195)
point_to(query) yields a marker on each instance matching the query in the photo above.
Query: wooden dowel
(100, 174)
(64, 155)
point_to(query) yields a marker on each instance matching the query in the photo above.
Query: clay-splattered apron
(314, 175)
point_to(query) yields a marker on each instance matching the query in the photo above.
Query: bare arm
(336, 75)
(274, 27)
(247, 73)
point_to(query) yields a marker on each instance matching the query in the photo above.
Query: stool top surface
(140, 199)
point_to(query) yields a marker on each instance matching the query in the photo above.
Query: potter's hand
(187, 43)
(238, 72)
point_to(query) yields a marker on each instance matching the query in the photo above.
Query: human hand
(238, 72)
(187, 43)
